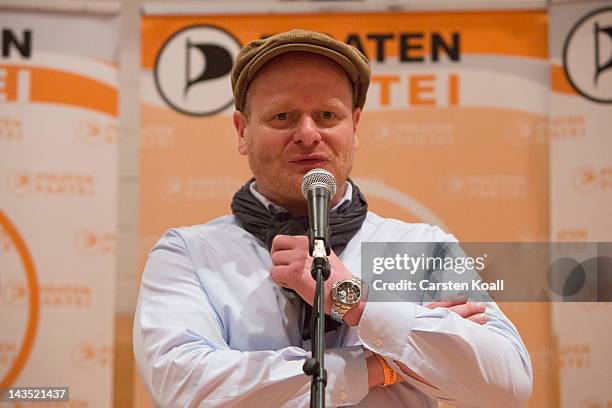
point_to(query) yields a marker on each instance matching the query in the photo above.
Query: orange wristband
(390, 375)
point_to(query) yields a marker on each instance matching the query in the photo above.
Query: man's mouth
(310, 160)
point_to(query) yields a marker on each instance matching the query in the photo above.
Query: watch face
(348, 293)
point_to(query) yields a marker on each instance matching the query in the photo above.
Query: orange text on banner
(421, 89)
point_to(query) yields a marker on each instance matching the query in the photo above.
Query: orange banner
(454, 131)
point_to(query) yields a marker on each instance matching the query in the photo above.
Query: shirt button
(378, 342)
(342, 396)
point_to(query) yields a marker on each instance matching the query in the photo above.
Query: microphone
(318, 188)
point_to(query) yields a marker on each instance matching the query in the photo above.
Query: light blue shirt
(212, 329)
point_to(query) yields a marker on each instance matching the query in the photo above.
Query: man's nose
(307, 132)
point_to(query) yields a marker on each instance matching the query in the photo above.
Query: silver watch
(345, 295)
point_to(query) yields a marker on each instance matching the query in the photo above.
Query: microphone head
(318, 178)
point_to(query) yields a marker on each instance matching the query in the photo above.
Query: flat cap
(253, 56)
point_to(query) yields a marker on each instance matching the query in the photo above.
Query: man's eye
(327, 115)
(281, 116)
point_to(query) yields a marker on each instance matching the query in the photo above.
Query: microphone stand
(314, 366)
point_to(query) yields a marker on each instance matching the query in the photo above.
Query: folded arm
(448, 357)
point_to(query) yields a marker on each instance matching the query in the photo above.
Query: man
(223, 308)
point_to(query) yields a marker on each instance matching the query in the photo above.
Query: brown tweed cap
(257, 53)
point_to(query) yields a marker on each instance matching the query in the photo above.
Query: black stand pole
(314, 366)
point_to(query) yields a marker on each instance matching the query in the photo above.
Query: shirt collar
(275, 209)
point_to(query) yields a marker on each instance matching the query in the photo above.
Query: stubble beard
(284, 188)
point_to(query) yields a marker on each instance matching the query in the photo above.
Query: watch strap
(338, 310)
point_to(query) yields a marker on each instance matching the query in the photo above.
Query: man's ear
(240, 126)
(356, 117)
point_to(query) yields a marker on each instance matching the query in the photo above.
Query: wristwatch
(345, 295)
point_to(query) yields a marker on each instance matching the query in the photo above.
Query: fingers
(451, 301)
(468, 309)
(282, 242)
(289, 255)
(286, 257)
(479, 318)
(447, 304)
(471, 311)
(281, 275)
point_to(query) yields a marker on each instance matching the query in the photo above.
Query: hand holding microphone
(291, 256)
